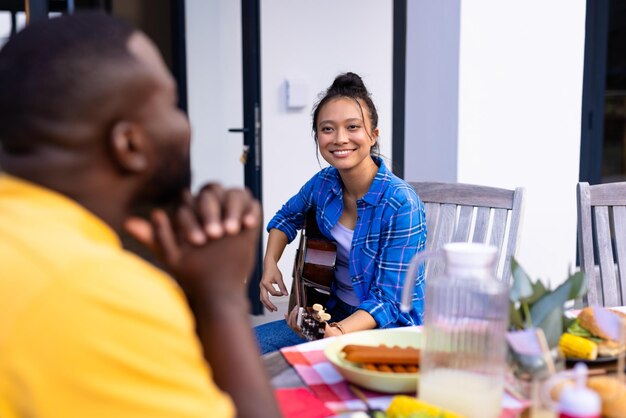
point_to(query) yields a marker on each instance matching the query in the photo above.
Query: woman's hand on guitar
(292, 321)
(332, 331)
(271, 276)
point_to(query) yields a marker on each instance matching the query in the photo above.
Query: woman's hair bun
(348, 82)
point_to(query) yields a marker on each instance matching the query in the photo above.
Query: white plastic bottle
(579, 401)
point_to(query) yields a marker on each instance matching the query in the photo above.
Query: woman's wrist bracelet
(338, 326)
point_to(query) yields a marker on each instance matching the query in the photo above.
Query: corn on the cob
(574, 346)
(404, 406)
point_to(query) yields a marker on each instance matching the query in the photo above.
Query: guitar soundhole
(314, 296)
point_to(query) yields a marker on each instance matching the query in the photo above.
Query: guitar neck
(314, 267)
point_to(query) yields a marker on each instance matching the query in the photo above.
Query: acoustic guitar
(313, 274)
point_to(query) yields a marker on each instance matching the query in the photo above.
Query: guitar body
(314, 267)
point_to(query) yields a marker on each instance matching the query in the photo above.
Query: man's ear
(129, 147)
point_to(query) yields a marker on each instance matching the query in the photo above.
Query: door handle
(239, 130)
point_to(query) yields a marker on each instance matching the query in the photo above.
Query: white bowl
(374, 380)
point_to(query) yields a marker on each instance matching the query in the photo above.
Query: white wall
(314, 41)
(519, 111)
(520, 99)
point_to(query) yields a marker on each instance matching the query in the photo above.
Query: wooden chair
(458, 212)
(602, 241)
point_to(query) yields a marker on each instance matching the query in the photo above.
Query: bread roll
(612, 393)
(610, 348)
(587, 320)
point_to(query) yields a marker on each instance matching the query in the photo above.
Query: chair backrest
(602, 241)
(458, 212)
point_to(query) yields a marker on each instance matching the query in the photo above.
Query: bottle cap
(579, 401)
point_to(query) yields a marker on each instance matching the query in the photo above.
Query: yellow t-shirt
(86, 328)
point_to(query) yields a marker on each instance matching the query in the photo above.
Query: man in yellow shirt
(90, 137)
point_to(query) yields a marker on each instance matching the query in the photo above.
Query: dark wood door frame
(179, 49)
(399, 85)
(252, 133)
(594, 79)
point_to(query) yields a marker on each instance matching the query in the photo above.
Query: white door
(214, 79)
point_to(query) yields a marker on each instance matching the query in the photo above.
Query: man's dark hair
(58, 72)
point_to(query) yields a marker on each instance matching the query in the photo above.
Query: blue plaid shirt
(390, 229)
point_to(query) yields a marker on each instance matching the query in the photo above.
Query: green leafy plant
(532, 305)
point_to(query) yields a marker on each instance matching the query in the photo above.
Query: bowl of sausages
(383, 360)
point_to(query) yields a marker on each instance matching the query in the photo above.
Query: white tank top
(344, 288)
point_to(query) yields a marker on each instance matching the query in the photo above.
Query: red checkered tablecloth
(330, 387)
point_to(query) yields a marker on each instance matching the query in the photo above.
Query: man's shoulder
(108, 314)
(42, 261)
(93, 276)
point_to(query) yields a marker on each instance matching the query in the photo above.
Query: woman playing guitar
(375, 218)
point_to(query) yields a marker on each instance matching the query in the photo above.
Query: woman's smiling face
(344, 133)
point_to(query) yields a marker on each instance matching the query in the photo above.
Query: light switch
(297, 93)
